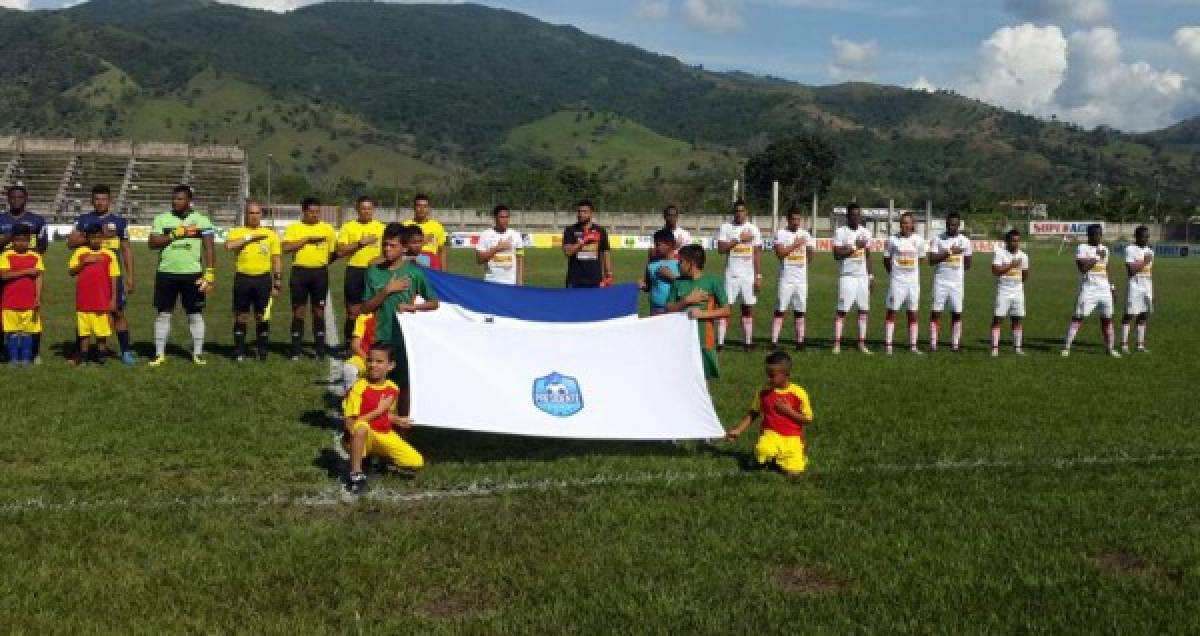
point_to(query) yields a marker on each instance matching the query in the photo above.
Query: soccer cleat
(339, 447)
(887, 350)
(747, 347)
(916, 351)
(198, 360)
(720, 348)
(158, 361)
(128, 358)
(239, 358)
(862, 348)
(995, 352)
(837, 349)
(356, 485)
(1065, 353)
(1114, 353)
(37, 361)
(799, 347)
(1019, 351)
(1143, 350)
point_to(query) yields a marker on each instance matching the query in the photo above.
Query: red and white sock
(1072, 331)
(748, 328)
(933, 335)
(889, 330)
(1125, 334)
(839, 322)
(955, 333)
(800, 330)
(1110, 333)
(912, 333)
(776, 328)
(862, 329)
(1141, 335)
(996, 336)
(1018, 337)
(722, 327)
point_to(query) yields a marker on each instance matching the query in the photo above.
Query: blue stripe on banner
(535, 303)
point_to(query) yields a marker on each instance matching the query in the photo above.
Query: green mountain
(450, 96)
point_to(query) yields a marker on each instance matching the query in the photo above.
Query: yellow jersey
(353, 232)
(435, 234)
(254, 259)
(312, 254)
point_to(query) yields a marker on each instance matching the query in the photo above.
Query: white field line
(332, 495)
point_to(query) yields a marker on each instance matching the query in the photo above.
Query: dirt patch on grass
(450, 605)
(807, 579)
(1125, 563)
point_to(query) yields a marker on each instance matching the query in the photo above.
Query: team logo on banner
(558, 395)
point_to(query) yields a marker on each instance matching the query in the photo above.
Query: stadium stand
(59, 174)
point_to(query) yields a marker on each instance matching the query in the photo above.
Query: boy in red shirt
(371, 419)
(21, 272)
(786, 410)
(362, 337)
(96, 272)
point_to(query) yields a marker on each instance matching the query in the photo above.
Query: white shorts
(793, 294)
(1010, 302)
(854, 290)
(740, 288)
(1093, 298)
(903, 296)
(947, 293)
(1139, 299)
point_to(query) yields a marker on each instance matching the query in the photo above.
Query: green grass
(947, 493)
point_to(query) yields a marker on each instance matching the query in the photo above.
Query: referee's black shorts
(170, 288)
(354, 285)
(251, 292)
(309, 285)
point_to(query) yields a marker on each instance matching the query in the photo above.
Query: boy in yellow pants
(21, 274)
(371, 420)
(96, 273)
(786, 410)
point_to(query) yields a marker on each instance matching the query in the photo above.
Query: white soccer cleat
(1066, 353)
(837, 349)
(1125, 349)
(862, 348)
(1114, 353)
(995, 353)
(1019, 351)
(916, 352)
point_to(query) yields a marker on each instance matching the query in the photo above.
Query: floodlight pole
(269, 162)
(774, 207)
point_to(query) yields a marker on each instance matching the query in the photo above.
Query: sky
(1130, 64)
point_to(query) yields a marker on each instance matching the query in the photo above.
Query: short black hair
(1012, 233)
(393, 230)
(795, 210)
(364, 199)
(780, 358)
(22, 229)
(909, 215)
(740, 203)
(309, 202)
(585, 203)
(182, 188)
(1095, 227)
(385, 348)
(1140, 229)
(853, 206)
(407, 232)
(101, 189)
(420, 197)
(93, 229)
(669, 208)
(954, 215)
(17, 188)
(664, 236)
(693, 254)
(500, 208)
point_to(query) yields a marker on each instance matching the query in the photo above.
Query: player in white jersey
(901, 258)
(794, 247)
(1139, 295)
(741, 243)
(1095, 292)
(852, 249)
(671, 224)
(1010, 266)
(502, 251)
(951, 253)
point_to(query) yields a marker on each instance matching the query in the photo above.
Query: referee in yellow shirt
(312, 243)
(360, 243)
(435, 234)
(258, 279)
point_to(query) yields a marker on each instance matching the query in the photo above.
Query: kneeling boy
(371, 420)
(785, 410)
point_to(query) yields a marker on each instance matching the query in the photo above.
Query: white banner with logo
(560, 379)
(1061, 228)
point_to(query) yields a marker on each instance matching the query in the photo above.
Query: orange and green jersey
(794, 396)
(364, 397)
(716, 299)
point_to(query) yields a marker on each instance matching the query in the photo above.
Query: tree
(803, 165)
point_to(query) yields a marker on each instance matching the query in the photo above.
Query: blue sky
(1133, 64)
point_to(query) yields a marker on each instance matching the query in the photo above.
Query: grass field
(947, 493)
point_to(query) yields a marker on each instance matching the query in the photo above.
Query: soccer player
(398, 284)
(589, 263)
(1139, 295)
(371, 422)
(501, 250)
(1010, 266)
(951, 253)
(703, 296)
(741, 243)
(17, 214)
(116, 239)
(902, 258)
(432, 230)
(671, 224)
(794, 247)
(1095, 292)
(661, 271)
(96, 274)
(852, 248)
(358, 242)
(312, 243)
(21, 274)
(786, 410)
(186, 271)
(258, 279)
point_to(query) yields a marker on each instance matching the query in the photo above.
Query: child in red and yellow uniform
(786, 410)
(21, 271)
(96, 272)
(361, 339)
(370, 410)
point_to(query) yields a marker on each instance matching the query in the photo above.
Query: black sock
(37, 344)
(123, 340)
(319, 335)
(262, 333)
(348, 330)
(297, 335)
(239, 338)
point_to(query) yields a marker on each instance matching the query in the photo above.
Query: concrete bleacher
(59, 175)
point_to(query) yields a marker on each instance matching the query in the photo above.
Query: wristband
(210, 275)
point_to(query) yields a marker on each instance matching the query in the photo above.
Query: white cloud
(921, 84)
(1188, 40)
(22, 5)
(853, 61)
(652, 9)
(1020, 67)
(1082, 11)
(713, 15)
